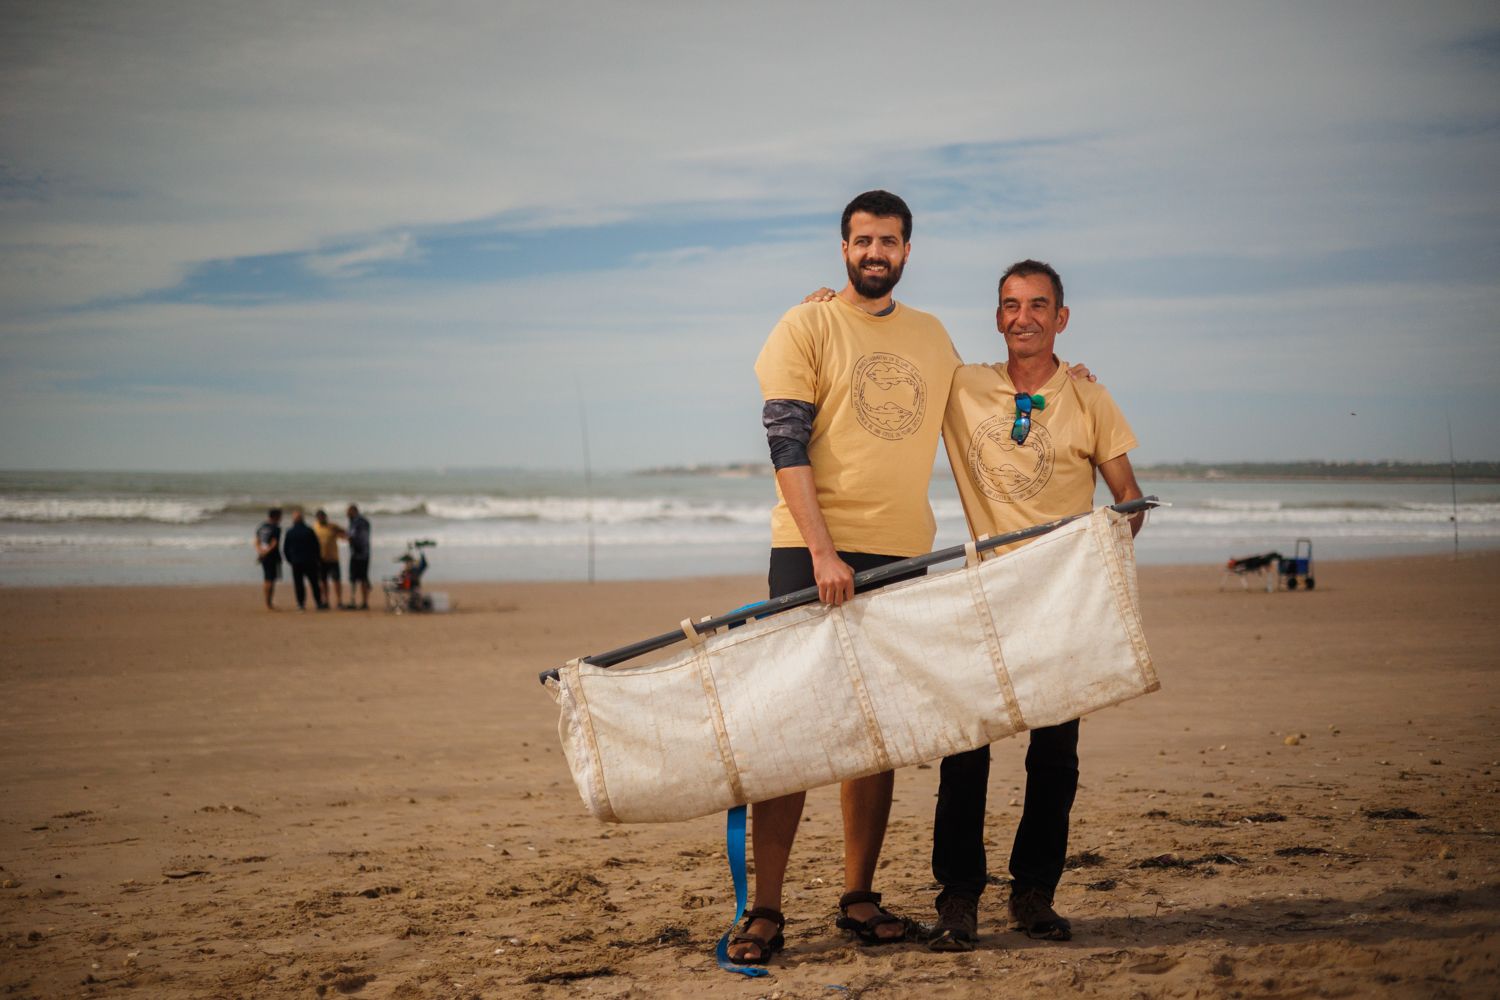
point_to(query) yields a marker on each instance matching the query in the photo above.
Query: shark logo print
(890, 397)
(1005, 471)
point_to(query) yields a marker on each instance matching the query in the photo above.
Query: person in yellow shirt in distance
(328, 551)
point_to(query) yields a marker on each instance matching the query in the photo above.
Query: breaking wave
(152, 509)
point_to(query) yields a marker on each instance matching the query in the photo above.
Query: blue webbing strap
(734, 849)
(734, 843)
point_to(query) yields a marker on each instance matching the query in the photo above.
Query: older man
(1025, 441)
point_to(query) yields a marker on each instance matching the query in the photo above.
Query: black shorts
(792, 570)
(359, 570)
(271, 569)
(329, 570)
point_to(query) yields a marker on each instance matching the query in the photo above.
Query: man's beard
(874, 286)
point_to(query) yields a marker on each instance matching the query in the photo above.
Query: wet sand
(202, 799)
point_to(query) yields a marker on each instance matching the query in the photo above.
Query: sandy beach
(203, 799)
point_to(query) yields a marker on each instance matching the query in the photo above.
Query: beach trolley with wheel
(403, 592)
(1299, 566)
(401, 599)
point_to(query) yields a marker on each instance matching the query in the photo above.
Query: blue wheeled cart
(1299, 566)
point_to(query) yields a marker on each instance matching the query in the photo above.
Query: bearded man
(855, 390)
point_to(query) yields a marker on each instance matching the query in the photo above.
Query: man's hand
(1119, 476)
(1080, 371)
(824, 295)
(835, 579)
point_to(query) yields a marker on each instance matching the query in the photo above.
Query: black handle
(797, 598)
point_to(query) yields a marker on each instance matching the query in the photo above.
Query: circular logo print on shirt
(1005, 471)
(889, 396)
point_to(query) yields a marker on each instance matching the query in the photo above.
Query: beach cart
(1299, 566)
(403, 592)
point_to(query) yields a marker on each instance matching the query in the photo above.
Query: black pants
(792, 570)
(1036, 857)
(309, 574)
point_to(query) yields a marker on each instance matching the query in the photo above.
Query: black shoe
(958, 924)
(1031, 913)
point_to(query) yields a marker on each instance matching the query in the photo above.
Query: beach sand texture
(202, 799)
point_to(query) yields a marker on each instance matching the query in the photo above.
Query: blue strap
(734, 849)
(734, 843)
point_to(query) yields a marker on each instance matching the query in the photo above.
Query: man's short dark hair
(882, 205)
(1027, 268)
(273, 513)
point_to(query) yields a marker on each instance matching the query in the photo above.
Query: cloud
(325, 210)
(358, 261)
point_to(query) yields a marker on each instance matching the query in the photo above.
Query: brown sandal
(767, 946)
(865, 929)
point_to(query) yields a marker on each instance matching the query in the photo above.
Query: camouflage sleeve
(788, 424)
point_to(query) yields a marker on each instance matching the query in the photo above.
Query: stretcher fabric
(898, 676)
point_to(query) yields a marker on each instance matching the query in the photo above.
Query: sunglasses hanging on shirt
(1025, 403)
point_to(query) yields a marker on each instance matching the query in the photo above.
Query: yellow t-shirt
(328, 541)
(1005, 486)
(879, 385)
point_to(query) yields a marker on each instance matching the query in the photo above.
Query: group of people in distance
(313, 554)
(857, 389)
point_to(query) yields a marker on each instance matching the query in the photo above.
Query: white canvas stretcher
(898, 676)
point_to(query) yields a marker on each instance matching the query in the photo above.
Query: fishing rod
(1453, 482)
(588, 475)
(809, 595)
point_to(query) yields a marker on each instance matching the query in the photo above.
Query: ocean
(115, 528)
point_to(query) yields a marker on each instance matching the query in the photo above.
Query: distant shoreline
(1168, 476)
(1356, 472)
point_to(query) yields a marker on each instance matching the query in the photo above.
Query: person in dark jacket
(304, 555)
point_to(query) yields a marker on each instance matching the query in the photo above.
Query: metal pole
(798, 598)
(588, 476)
(1453, 481)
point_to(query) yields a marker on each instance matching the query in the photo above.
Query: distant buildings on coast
(1464, 472)
(730, 470)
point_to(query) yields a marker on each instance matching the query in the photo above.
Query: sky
(278, 235)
